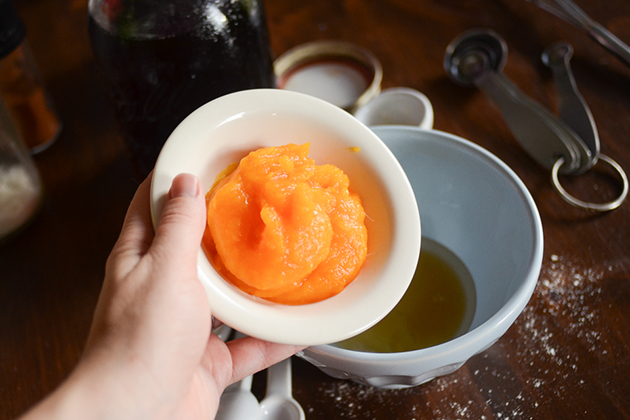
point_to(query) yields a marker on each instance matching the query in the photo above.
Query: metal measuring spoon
(570, 12)
(278, 403)
(573, 110)
(477, 59)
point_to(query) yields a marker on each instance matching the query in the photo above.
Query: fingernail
(184, 185)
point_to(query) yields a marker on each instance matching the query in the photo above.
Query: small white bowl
(476, 206)
(397, 106)
(225, 130)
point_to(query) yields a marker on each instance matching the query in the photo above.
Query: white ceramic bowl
(225, 130)
(397, 106)
(476, 206)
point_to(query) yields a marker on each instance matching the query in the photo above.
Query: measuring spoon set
(568, 144)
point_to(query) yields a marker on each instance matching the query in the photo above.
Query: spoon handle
(610, 41)
(570, 12)
(543, 136)
(279, 381)
(245, 384)
(573, 110)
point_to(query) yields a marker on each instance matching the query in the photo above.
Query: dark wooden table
(566, 357)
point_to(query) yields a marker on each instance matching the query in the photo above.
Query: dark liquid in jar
(155, 83)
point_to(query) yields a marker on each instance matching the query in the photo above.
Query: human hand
(150, 353)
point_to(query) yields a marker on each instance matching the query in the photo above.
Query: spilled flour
(564, 308)
(354, 401)
(536, 362)
(560, 332)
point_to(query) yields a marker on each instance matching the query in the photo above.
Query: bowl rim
(485, 334)
(316, 323)
(379, 103)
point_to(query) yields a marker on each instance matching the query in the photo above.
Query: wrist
(99, 391)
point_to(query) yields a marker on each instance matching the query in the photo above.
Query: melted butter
(438, 306)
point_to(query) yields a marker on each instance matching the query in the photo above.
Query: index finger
(251, 355)
(136, 234)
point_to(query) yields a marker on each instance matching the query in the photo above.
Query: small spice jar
(21, 86)
(20, 184)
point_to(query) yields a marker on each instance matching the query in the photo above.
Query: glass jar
(21, 85)
(20, 184)
(163, 59)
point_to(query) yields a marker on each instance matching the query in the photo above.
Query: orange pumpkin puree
(285, 229)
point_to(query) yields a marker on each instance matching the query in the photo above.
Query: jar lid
(12, 30)
(341, 73)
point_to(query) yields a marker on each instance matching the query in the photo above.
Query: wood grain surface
(568, 354)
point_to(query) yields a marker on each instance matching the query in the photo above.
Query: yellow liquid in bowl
(438, 306)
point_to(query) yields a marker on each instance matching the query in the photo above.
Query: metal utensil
(565, 145)
(571, 13)
(477, 59)
(573, 110)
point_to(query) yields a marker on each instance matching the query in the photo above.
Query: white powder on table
(19, 198)
(561, 325)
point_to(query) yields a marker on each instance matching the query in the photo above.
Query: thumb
(181, 225)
